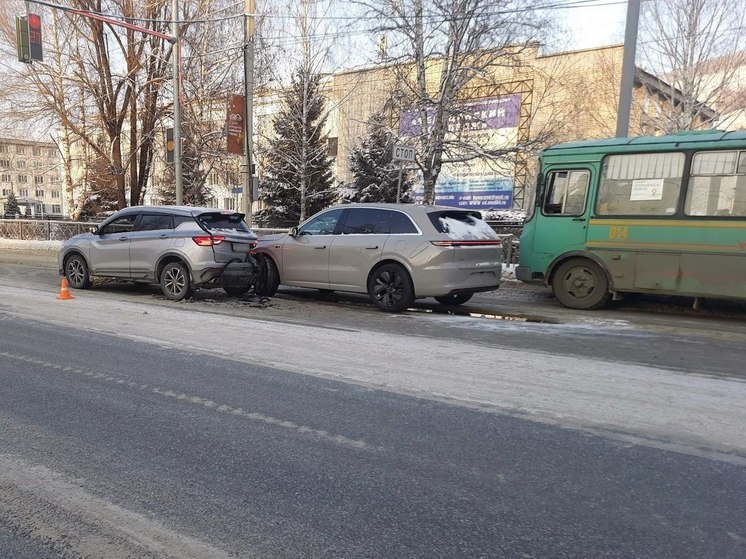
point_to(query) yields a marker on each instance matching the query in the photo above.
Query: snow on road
(645, 402)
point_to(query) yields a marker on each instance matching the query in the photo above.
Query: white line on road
(195, 400)
(56, 512)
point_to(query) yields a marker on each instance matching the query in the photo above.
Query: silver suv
(179, 247)
(394, 252)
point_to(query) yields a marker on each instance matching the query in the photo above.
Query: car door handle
(371, 248)
(578, 219)
(278, 246)
(163, 237)
(123, 239)
(321, 247)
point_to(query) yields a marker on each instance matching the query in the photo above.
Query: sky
(593, 25)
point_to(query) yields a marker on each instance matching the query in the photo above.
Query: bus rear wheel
(580, 283)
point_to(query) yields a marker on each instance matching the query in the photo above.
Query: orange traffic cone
(64, 291)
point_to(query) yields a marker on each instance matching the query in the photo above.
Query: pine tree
(11, 205)
(371, 163)
(297, 172)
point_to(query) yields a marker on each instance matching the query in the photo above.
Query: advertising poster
(479, 183)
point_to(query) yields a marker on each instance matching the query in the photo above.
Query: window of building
(229, 204)
(20, 150)
(640, 184)
(5, 163)
(40, 208)
(3, 148)
(52, 152)
(24, 192)
(717, 184)
(7, 191)
(5, 178)
(38, 180)
(20, 164)
(566, 192)
(36, 150)
(332, 145)
(39, 193)
(54, 180)
(22, 178)
(56, 209)
(56, 194)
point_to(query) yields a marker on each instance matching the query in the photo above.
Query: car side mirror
(293, 232)
(93, 230)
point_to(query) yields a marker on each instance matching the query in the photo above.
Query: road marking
(44, 506)
(320, 434)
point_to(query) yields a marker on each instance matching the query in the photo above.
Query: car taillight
(208, 241)
(491, 242)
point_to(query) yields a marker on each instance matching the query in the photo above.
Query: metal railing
(49, 230)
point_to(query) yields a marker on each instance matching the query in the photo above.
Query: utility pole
(248, 83)
(628, 69)
(176, 56)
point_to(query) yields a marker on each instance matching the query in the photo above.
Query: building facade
(31, 171)
(532, 102)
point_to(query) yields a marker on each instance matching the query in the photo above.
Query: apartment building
(31, 171)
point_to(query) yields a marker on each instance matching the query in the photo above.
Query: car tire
(580, 283)
(76, 272)
(454, 299)
(390, 288)
(175, 282)
(268, 279)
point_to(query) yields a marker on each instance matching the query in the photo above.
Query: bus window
(566, 192)
(717, 185)
(640, 184)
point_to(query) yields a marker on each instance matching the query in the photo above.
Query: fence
(41, 230)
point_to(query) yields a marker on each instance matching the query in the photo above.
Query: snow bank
(22, 245)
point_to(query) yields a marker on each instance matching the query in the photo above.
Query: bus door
(563, 221)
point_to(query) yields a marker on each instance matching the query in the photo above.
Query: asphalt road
(315, 426)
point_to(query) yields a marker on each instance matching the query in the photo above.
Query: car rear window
(462, 225)
(233, 221)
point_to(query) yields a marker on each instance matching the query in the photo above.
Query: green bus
(657, 214)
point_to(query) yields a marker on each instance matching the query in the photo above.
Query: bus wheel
(580, 283)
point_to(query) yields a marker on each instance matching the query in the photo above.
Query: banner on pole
(234, 124)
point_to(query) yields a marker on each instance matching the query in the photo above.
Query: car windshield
(221, 221)
(462, 225)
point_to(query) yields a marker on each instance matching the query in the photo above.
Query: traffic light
(169, 145)
(34, 37)
(22, 42)
(28, 38)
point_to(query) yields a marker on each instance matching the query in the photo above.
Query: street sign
(403, 153)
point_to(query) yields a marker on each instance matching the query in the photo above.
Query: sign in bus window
(717, 186)
(566, 192)
(640, 184)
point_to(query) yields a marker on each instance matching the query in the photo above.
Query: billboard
(234, 124)
(479, 183)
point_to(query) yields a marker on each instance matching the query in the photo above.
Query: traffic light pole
(248, 75)
(175, 59)
(174, 40)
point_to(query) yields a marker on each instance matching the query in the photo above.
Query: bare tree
(695, 46)
(445, 53)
